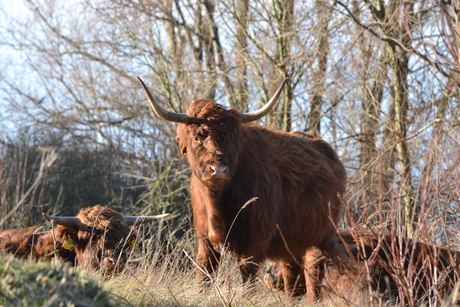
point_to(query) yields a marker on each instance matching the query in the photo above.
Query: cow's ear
(69, 244)
(133, 243)
(183, 149)
(86, 234)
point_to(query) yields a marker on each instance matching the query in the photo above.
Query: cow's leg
(334, 250)
(207, 259)
(293, 279)
(249, 269)
(314, 262)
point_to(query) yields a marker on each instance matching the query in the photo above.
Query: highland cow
(390, 266)
(296, 178)
(98, 238)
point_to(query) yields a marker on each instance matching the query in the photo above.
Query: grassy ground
(152, 278)
(161, 272)
(170, 281)
(179, 289)
(156, 278)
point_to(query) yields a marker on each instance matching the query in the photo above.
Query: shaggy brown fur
(393, 267)
(103, 241)
(25, 241)
(295, 177)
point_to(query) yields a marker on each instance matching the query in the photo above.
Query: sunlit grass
(28, 283)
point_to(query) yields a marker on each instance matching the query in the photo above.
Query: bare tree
(321, 54)
(376, 79)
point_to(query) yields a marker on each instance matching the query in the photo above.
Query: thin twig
(173, 296)
(219, 291)
(239, 211)
(287, 247)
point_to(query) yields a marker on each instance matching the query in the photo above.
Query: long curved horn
(131, 220)
(73, 222)
(170, 116)
(252, 116)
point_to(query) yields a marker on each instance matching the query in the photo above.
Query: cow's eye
(198, 141)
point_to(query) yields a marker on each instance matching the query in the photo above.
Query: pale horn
(131, 220)
(169, 116)
(182, 118)
(252, 116)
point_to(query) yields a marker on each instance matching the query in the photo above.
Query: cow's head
(273, 278)
(208, 135)
(101, 237)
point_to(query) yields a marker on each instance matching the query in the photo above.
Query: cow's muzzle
(220, 172)
(216, 172)
(114, 264)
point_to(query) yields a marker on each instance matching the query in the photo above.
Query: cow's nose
(114, 261)
(219, 171)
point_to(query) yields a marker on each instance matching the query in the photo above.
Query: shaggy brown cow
(98, 238)
(391, 266)
(296, 178)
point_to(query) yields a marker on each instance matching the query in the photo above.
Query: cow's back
(27, 242)
(17, 241)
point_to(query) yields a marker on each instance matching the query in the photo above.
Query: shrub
(28, 283)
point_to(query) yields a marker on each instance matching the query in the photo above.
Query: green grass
(28, 283)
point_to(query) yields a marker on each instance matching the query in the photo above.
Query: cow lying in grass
(391, 267)
(98, 238)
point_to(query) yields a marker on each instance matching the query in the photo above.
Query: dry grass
(162, 272)
(155, 280)
(158, 280)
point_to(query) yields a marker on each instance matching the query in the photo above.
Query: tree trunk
(319, 75)
(241, 83)
(284, 14)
